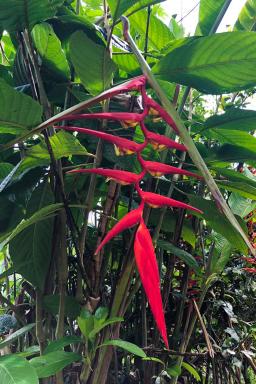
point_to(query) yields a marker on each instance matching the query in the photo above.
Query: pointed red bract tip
(121, 177)
(161, 142)
(115, 116)
(124, 146)
(156, 201)
(129, 220)
(159, 169)
(148, 269)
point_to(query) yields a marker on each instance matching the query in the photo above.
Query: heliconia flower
(249, 260)
(161, 142)
(129, 220)
(156, 201)
(148, 269)
(250, 270)
(121, 177)
(116, 116)
(159, 169)
(166, 117)
(122, 146)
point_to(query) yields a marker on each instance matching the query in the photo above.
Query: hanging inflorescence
(143, 247)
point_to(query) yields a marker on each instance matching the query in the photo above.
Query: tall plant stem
(185, 136)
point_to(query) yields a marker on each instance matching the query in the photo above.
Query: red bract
(129, 220)
(166, 117)
(249, 260)
(115, 116)
(122, 146)
(156, 201)
(250, 270)
(159, 169)
(148, 270)
(121, 177)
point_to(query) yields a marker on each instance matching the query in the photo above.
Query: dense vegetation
(73, 99)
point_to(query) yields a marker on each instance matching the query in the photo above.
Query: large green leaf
(53, 362)
(49, 47)
(233, 119)
(120, 7)
(240, 205)
(159, 34)
(247, 17)
(229, 153)
(218, 222)
(17, 370)
(63, 144)
(209, 10)
(127, 346)
(31, 249)
(72, 307)
(180, 253)
(191, 370)
(233, 137)
(242, 189)
(18, 112)
(92, 63)
(215, 64)
(17, 14)
(15, 335)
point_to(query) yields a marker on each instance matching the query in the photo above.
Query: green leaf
(247, 17)
(49, 47)
(57, 345)
(191, 370)
(31, 249)
(208, 12)
(120, 7)
(20, 14)
(92, 63)
(4, 169)
(42, 214)
(232, 154)
(18, 112)
(154, 359)
(127, 346)
(218, 222)
(63, 144)
(243, 189)
(30, 351)
(98, 328)
(174, 370)
(215, 64)
(53, 362)
(15, 335)
(17, 370)
(240, 206)
(232, 175)
(233, 137)
(180, 253)
(72, 307)
(159, 34)
(221, 254)
(232, 119)
(85, 322)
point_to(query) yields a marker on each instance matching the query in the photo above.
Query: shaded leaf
(120, 7)
(57, 345)
(208, 12)
(17, 370)
(191, 370)
(127, 346)
(15, 335)
(72, 307)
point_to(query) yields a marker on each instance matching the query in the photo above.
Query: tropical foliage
(101, 123)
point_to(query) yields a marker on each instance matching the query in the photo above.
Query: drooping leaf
(53, 362)
(17, 370)
(15, 335)
(148, 270)
(57, 345)
(49, 48)
(92, 63)
(208, 12)
(98, 328)
(247, 17)
(127, 346)
(218, 222)
(31, 249)
(214, 64)
(180, 253)
(63, 145)
(120, 7)
(232, 119)
(191, 370)
(18, 112)
(20, 14)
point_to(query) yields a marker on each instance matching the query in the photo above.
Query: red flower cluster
(143, 247)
